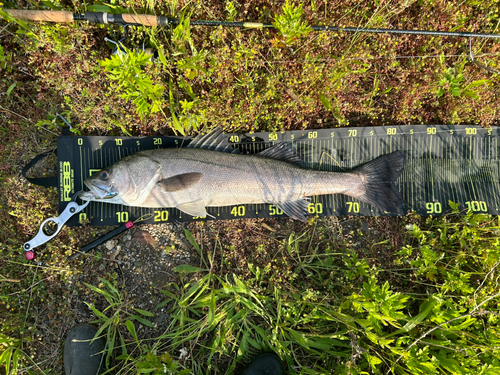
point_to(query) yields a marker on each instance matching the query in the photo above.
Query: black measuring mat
(445, 163)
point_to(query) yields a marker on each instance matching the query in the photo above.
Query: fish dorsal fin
(196, 208)
(295, 209)
(216, 140)
(180, 181)
(282, 151)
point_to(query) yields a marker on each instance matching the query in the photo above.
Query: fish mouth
(96, 192)
(87, 196)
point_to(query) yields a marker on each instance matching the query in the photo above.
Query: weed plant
(324, 311)
(126, 68)
(328, 317)
(115, 320)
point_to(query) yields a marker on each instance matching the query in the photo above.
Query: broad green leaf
(145, 370)
(299, 336)
(125, 357)
(470, 94)
(143, 312)
(15, 361)
(425, 309)
(323, 343)
(211, 309)
(49, 4)
(454, 206)
(343, 317)
(131, 329)
(110, 342)
(123, 345)
(11, 87)
(187, 268)
(161, 304)
(464, 324)
(450, 364)
(111, 287)
(372, 337)
(101, 329)
(97, 312)
(191, 240)
(99, 8)
(8, 340)
(5, 359)
(254, 343)
(198, 288)
(161, 56)
(455, 91)
(187, 87)
(169, 294)
(478, 83)
(142, 320)
(325, 102)
(372, 360)
(243, 347)
(106, 295)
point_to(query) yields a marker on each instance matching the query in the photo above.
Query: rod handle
(120, 19)
(42, 15)
(140, 19)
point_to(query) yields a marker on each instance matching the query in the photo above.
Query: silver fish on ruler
(210, 172)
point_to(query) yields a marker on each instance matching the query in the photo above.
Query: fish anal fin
(282, 151)
(180, 181)
(196, 208)
(295, 209)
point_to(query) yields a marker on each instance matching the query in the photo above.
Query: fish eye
(105, 174)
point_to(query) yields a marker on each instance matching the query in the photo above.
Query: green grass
(330, 311)
(326, 311)
(408, 296)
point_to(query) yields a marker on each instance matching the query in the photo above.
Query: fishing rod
(163, 21)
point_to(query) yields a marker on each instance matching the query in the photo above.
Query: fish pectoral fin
(180, 181)
(295, 209)
(196, 208)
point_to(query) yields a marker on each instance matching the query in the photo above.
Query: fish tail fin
(379, 182)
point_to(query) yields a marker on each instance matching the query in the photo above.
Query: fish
(210, 172)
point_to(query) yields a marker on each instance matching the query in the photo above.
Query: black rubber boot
(265, 364)
(80, 356)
